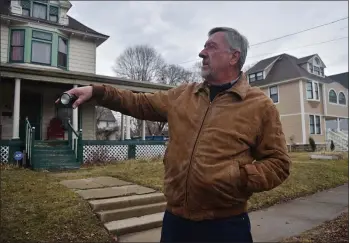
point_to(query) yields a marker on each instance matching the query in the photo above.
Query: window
(25, 7)
(41, 47)
(309, 90)
(53, 14)
(255, 76)
(252, 77)
(322, 71)
(259, 76)
(274, 94)
(62, 52)
(342, 99)
(332, 97)
(17, 46)
(317, 70)
(312, 90)
(315, 124)
(39, 10)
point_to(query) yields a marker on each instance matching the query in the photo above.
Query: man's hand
(83, 94)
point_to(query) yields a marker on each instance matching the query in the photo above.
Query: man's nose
(203, 54)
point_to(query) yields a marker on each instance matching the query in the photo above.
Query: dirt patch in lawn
(336, 230)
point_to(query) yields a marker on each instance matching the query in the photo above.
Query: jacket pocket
(238, 177)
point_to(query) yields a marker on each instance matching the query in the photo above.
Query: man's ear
(235, 57)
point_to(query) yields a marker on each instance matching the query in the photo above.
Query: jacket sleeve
(144, 106)
(272, 162)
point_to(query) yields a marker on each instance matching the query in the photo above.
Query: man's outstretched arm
(144, 106)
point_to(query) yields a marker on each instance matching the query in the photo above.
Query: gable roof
(342, 78)
(305, 59)
(286, 67)
(72, 23)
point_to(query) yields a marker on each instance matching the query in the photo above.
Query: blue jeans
(231, 229)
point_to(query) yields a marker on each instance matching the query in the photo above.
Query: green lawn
(34, 206)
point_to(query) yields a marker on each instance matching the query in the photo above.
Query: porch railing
(75, 141)
(29, 139)
(340, 141)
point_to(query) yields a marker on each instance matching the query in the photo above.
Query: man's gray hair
(235, 40)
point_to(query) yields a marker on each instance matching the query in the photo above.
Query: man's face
(217, 57)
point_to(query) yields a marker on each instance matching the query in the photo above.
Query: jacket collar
(240, 88)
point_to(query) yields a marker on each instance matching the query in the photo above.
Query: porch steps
(53, 156)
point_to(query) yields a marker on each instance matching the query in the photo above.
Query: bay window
(62, 52)
(17, 46)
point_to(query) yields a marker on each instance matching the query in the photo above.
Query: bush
(312, 144)
(332, 146)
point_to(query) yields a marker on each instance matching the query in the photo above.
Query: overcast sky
(178, 30)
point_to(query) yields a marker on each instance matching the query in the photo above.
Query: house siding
(291, 126)
(337, 110)
(4, 43)
(89, 121)
(82, 55)
(289, 102)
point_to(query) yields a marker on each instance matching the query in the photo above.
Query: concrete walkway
(283, 220)
(134, 213)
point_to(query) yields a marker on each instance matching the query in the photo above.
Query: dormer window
(40, 9)
(256, 76)
(317, 61)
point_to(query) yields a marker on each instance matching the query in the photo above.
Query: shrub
(332, 146)
(312, 144)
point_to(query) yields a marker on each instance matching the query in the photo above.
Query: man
(226, 142)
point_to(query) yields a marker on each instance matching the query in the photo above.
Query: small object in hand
(67, 100)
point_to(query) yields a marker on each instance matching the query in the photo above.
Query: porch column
(127, 127)
(122, 130)
(75, 116)
(143, 130)
(338, 124)
(16, 109)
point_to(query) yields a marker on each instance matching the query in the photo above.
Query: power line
(277, 38)
(299, 32)
(314, 44)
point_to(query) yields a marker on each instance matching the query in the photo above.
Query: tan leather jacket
(219, 152)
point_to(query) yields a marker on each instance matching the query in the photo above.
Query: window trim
(344, 98)
(39, 3)
(278, 93)
(313, 118)
(313, 84)
(336, 96)
(10, 45)
(41, 41)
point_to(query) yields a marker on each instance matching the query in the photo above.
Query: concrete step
(136, 224)
(126, 201)
(131, 212)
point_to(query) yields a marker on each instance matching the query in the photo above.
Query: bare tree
(141, 63)
(174, 75)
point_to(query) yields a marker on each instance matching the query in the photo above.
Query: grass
(34, 206)
(336, 230)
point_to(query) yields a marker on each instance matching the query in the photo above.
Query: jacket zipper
(194, 149)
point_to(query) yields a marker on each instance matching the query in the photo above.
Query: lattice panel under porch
(105, 152)
(149, 151)
(4, 154)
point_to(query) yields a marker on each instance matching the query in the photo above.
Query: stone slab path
(125, 204)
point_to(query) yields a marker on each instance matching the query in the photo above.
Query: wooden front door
(31, 107)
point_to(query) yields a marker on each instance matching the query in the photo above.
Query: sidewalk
(283, 220)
